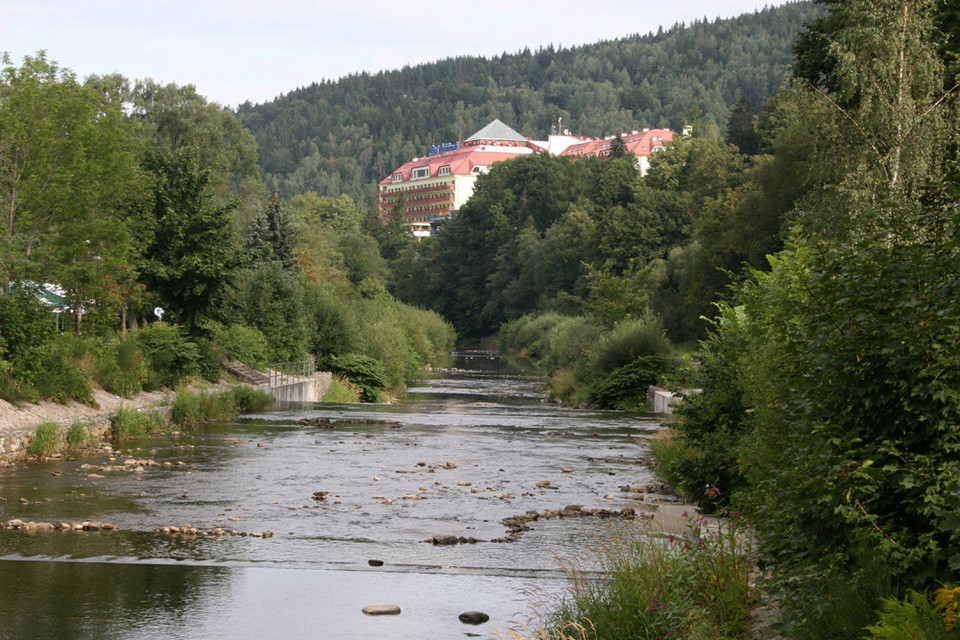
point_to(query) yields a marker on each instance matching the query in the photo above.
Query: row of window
(419, 173)
(438, 186)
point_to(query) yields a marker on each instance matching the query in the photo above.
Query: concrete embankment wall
(663, 400)
(311, 389)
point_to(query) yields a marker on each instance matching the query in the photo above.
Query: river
(464, 450)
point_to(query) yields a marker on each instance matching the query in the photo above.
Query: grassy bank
(189, 409)
(693, 585)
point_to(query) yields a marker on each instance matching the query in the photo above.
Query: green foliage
(367, 373)
(519, 336)
(79, 436)
(247, 398)
(59, 376)
(66, 171)
(270, 299)
(240, 342)
(192, 409)
(628, 341)
(171, 355)
(126, 423)
(122, 369)
(189, 252)
(626, 386)
(26, 328)
(913, 616)
(694, 586)
(712, 423)
(342, 390)
(46, 440)
(567, 342)
(335, 327)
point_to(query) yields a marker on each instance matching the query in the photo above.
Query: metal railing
(282, 373)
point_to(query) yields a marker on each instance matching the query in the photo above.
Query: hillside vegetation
(342, 137)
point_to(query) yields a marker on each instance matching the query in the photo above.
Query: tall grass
(342, 390)
(247, 398)
(79, 436)
(191, 409)
(695, 586)
(46, 440)
(127, 423)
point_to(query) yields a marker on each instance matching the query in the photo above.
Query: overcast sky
(238, 50)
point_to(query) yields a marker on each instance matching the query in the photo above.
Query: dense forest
(343, 136)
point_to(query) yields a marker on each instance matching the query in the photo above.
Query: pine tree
(741, 127)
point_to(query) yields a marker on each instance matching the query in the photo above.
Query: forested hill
(343, 136)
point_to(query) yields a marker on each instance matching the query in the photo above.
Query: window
(397, 177)
(420, 172)
(444, 170)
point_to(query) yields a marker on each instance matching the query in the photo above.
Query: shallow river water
(389, 489)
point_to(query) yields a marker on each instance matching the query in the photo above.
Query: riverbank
(17, 423)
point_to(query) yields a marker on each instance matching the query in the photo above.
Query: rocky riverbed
(349, 494)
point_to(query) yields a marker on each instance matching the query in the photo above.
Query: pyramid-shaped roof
(496, 130)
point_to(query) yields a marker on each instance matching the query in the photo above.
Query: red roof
(461, 161)
(639, 144)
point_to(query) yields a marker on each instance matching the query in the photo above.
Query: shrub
(628, 341)
(46, 440)
(342, 390)
(238, 342)
(566, 343)
(518, 336)
(334, 324)
(365, 372)
(430, 336)
(130, 423)
(122, 369)
(79, 436)
(710, 425)
(626, 387)
(247, 398)
(192, 409)
(62, 378)
(171, 355)
(694, 586)
(914, 616)
(565, 385)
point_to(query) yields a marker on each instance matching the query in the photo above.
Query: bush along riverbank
(698, 583)
(590, 364)
(183, 409)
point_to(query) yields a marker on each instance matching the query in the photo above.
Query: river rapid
(464, 450)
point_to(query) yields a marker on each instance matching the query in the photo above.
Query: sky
(239, 50)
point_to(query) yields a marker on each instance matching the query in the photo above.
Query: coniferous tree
(741, 127)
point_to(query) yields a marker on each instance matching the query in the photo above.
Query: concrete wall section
(310, 389)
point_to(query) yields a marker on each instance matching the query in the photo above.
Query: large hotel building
(433, 188)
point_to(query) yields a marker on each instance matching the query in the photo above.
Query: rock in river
(382, 610)
(473, 617)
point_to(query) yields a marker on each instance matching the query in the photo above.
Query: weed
(692, 586)
(129, 423)
(79, 436)
(46, 440)
(247, 398)
(342, 390)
